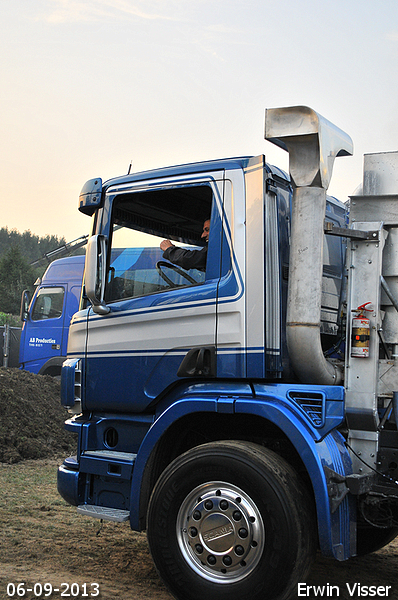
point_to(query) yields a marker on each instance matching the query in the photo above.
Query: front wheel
(231, 520)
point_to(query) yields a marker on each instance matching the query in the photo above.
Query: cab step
(103, 512)
(111, 455)
(107, 463)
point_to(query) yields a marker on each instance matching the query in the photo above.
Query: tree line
(17, 251)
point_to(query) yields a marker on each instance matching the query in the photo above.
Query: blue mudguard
(307, 415)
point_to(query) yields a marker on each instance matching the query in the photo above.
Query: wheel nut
(208, 505)
(237, 515)
(227, 560)
(243, 533)
(193, 532)
(224, 504)
(211, 560)
(197, 515)
(239, 550)
(198, 548)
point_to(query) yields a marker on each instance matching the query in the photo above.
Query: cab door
(44, 327)
(161, 321)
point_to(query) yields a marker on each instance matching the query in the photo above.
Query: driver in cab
(187, 259)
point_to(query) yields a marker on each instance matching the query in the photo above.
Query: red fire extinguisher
(360, 336)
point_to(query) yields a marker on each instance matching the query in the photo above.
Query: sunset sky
(89, 85)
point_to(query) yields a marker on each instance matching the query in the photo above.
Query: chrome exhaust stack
(313, 143)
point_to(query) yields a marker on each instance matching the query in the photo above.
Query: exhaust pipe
(313, 143)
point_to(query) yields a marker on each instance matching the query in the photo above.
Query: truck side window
(141, 220)
(333, 258)
(48, 303)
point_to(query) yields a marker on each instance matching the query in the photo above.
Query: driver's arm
(187, 259)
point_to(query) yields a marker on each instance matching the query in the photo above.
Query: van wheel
(231, 520)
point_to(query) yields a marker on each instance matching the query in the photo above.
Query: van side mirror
(95, 273)
(25, 301)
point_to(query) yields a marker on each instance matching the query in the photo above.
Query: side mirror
(95, 273)
(25, 301)
(91, 196)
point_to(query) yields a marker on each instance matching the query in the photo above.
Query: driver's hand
(165, 244)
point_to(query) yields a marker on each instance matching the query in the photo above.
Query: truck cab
(217, 315)
(46, 319)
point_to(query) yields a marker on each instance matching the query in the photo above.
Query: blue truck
(244, 416)
(46, 316)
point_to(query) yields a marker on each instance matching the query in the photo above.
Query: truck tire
(231, 520)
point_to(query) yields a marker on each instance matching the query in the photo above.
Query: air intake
(312, 404)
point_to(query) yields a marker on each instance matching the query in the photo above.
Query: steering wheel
(162, 263)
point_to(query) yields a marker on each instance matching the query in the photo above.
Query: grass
(43, 539)
(42, 534)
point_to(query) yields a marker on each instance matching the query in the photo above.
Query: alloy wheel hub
(220, 532)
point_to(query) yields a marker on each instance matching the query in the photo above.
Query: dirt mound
(31, 417)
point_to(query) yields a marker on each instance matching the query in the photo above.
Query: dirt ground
(43, 540)
(31, 417)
